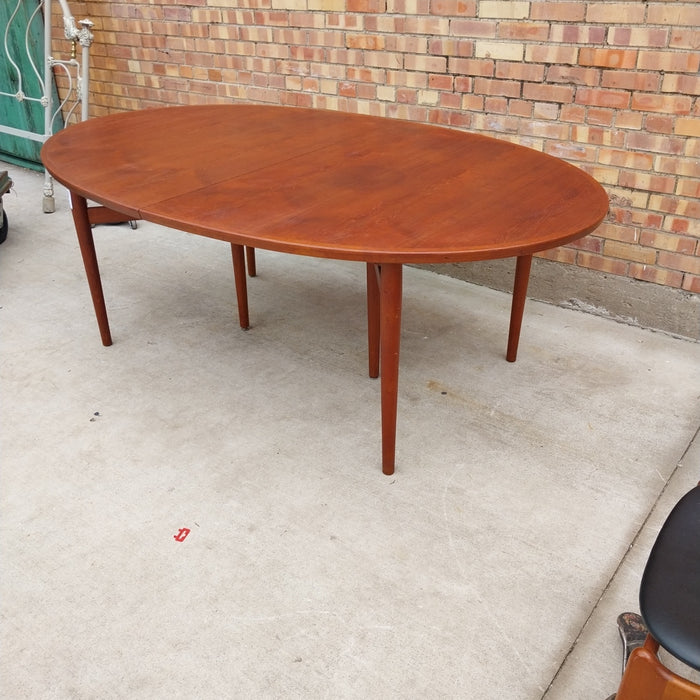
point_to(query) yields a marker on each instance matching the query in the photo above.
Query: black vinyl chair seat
(669, 596)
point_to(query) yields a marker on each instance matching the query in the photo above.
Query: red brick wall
(612, 87)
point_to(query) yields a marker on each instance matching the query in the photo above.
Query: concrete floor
(491, 565)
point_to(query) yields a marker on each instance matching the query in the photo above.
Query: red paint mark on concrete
(180, 537)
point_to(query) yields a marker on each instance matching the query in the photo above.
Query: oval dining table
(385, 192)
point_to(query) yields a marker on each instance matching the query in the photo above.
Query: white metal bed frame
(76, 71)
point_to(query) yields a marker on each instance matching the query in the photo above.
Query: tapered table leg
(238, 255)
(522, 277)
(250, 260)
(390, 289)
(373, 318)
(83, 229)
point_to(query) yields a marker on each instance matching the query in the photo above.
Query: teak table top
(330, 185)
